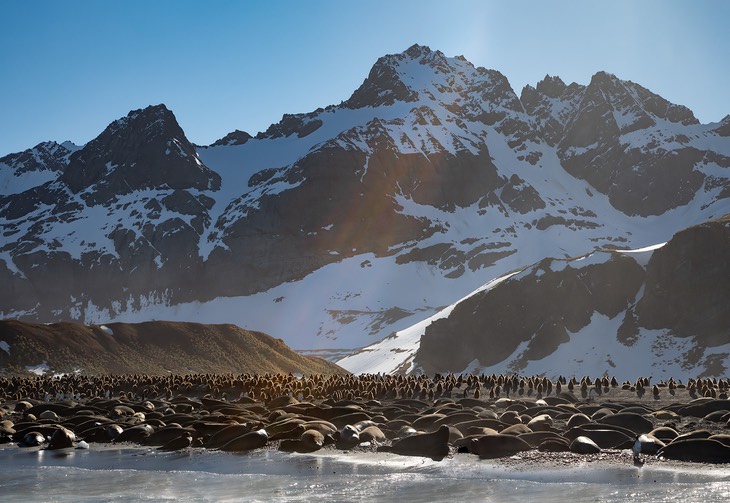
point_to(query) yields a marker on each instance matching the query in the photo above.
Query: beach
(285, 467)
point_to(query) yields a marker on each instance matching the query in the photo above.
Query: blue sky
(69, 68)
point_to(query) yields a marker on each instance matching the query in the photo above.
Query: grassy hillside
(155, 347)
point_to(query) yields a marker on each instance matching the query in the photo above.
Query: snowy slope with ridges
(395, 353)
(593, 349)
(589, 352)
(618, 343)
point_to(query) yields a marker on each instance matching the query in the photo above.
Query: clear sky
(70, 67)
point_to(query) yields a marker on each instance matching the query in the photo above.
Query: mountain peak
(552, 87)
(146, 148)
(34, 166)
(416, 51)
(629, 99)
(425, 56)
(724, 127)
(420, 73)
(383, 85)
(236, 137)
(154, 118)
(603, 77)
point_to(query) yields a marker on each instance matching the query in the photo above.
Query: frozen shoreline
(130, 473)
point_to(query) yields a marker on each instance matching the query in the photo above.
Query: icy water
(137, 474)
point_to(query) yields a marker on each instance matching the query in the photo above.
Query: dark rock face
(236, 137)
(637, 182)
(724, 128)
(538, 308)
(297, 231)
(521, 197)
(552, 87)
(638, 185)
(383, 86)
(687, 287)
(302, 125)
(144, 150)
(46, 156)
(593, 127)
(552, 104)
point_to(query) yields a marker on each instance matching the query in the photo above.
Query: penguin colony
(492, 416)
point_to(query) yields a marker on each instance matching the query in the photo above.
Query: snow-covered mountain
(663, 310)
(336, 228)
(35, 166)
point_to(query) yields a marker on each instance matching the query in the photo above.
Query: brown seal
(604, 438)
(701, 450)
(227, 434)
(311, 440)
(247, 441)
(182, 441)
(498, 446)
(428, 445)
(62, 438)
(584, 445)
(629, 420)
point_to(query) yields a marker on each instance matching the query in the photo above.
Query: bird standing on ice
(636, 449)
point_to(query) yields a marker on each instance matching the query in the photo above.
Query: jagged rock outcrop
(236, 137)
(537, 308)
(687, 288)
(144, 150)
(34, 166)
(610, 133)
